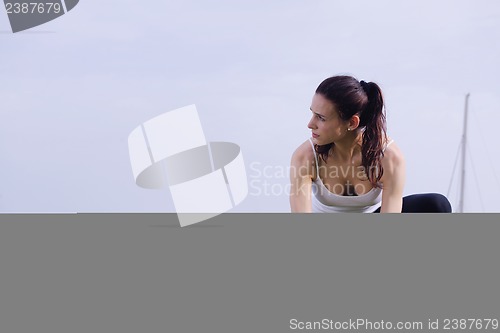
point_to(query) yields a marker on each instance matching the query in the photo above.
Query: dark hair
(350, 98)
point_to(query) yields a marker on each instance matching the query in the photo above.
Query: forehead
(323, 106)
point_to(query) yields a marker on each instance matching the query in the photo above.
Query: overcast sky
(73, 89)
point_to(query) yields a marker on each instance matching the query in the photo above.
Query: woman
(349, 164)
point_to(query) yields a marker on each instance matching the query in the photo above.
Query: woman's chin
(317, 140)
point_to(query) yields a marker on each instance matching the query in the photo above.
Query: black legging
(425, 203)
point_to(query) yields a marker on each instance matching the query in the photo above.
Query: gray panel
(35, 15)
(244, 272)
(70, 4)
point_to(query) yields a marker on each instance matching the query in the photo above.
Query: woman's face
(325, 124)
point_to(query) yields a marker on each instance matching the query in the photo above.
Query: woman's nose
(311, 124)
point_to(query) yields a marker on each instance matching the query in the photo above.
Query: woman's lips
(315, 135)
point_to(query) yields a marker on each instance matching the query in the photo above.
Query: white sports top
(324, 201)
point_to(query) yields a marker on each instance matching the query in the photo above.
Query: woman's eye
(320, 118)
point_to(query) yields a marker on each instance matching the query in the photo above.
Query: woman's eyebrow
(319, 114)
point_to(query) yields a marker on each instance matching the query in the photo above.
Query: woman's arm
(393, 180)
(301, 174)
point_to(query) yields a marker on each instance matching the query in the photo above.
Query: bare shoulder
(304, 152)
(393, 158)
(393, 178)
(303, 159)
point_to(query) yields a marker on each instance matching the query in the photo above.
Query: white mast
(464, 145)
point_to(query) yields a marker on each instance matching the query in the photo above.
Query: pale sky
(73, 89)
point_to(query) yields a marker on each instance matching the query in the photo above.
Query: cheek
(332, 130)
(322, 127)
(328, 128)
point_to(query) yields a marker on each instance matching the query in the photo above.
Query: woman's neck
(348, 147)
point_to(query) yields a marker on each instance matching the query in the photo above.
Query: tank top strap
(387, 145)
(315, 157)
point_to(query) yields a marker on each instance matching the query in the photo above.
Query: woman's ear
(354, 122)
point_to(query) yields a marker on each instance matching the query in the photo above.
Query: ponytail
(374, 135)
